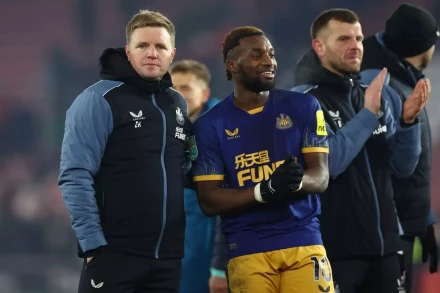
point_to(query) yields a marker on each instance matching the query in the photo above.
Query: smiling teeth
(267, 73)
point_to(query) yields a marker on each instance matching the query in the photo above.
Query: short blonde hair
(145, 18)
(192, 66)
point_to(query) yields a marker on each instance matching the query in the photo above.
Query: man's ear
(127, 52)
(319, 47)
(206, 94)
(231, 66)
(173, 54)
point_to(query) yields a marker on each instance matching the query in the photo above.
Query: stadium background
(49, 53)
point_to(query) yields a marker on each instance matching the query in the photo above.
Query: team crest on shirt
(192, 146)
(179, 117)
(284, 121)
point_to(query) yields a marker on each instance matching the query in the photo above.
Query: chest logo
(137, 118)
(179, 117)
(380, 129)
(180, 134)
(336, 118)
(284, 121)
(233, 134)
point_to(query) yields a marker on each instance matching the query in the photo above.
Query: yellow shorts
(304, 269)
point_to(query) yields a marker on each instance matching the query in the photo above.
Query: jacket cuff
(368, 118)
(217, 273)
(92, 242)
(405, 125)
(432, 219)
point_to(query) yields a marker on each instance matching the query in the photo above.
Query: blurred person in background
(406, 48)
(370, 132)
(218, 282)
(122, 164)
(191, 78)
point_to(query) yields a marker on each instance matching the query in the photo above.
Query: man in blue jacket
(406, 48)
(372, 137)
(191, 78)
(123, 160)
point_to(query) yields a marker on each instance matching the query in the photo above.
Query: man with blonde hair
(122, 165)
(191, 78)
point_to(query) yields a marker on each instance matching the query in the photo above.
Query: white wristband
(257, 193)
(299, 188)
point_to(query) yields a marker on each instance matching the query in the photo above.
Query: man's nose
(355, 44)
(267, 60)
(151, 52)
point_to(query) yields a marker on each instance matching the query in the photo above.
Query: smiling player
(260, 159)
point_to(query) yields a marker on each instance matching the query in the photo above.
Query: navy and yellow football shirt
(242, 148)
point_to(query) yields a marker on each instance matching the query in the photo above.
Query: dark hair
(192, 66)
(233, 38)
(339, 14)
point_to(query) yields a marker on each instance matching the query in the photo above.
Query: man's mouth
(268, 74)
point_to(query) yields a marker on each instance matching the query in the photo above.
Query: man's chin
(152, 75)
(350, 69)
(354, 67)
(259, 85)
(268, 85)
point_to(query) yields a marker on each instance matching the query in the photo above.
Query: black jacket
(412, 195)
(358, 213)
(122, 164)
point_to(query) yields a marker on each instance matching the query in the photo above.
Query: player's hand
(416, 101)
(286, 178)
(218, 285)
(94, 252)
(373, 93)
(430, 249)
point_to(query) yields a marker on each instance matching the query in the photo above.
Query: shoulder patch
(192, 146)
(320, 123)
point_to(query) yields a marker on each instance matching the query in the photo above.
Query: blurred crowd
(50, 52)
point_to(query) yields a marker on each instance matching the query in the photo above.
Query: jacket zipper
(373, 187)
(162, 162)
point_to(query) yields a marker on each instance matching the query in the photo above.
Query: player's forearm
(406, 143)
(347, 142)
(315, 180)
(220, 201)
